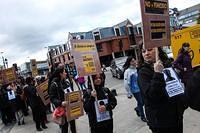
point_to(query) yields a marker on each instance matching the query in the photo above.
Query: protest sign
(42, 91)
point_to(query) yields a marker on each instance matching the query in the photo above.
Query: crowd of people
(16, 98)
(145, 81)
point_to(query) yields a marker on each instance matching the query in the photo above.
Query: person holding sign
(59, 86)
(98, 104)
(36, 104)
(164, 114)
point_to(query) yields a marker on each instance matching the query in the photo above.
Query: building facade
(111, 42)
(42, 67)
(189, 16)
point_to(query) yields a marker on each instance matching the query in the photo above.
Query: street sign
(86, 57)
(156, 23)
(42, 91)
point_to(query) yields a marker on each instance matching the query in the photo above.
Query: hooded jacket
(89, 104)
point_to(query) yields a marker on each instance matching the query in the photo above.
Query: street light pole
(4, 65)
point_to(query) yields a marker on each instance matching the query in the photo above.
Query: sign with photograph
(86, 57)
(156, 23)
(74, 105)
(42, 91)
(101, 116)
(173, 85)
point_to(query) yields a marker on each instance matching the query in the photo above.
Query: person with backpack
(58, 88)
(130, 81)
(98, 104)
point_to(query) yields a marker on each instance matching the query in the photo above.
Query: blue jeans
(140, 104)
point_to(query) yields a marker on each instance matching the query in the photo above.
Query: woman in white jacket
(130, 83)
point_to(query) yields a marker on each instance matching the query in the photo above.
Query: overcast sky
(27, 26)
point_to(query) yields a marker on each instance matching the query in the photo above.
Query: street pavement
(125, 118)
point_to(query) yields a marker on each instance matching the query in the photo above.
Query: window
(82, 37)
(117, 32)
(130, 30)
(96, 36)
(64, 46)
(63, 58)
(140, 30)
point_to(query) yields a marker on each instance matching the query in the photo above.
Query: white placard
(173, 85)
(101, 116)
(11, 95)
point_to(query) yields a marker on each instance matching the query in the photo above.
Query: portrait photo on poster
(174, 86)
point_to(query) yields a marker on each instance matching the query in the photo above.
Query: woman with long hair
(59, 86)
(183, 63)
(164, 114)
(98, 104)
(130, 82)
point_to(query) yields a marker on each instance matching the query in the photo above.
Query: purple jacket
(81, 80)
(184, 61)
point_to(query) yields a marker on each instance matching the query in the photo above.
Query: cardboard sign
(7, 75)
(173, 85)
(34, 67)
(86, 57)
(74, 107)
(42, 91)
(156, 23)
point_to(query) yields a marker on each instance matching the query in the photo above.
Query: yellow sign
(74, 105)
(74, 111)
(156, 4)
(9, 74)
(34, 67)
(74, 97)
(86, 57)
(84, 47)
(88, 63)
(195, 34)
(42, 90)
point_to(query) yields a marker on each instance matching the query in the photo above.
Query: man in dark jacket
(36, 104)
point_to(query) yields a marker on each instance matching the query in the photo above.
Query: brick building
(112, 42)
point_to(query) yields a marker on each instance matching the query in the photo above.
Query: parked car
(116, 67)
